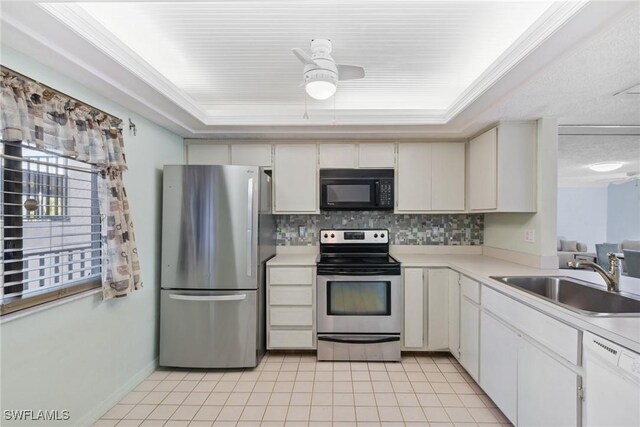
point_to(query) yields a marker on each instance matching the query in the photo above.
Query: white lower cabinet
(438, 309)
(413, 328)
(499, 364)
(533, 384)
(547, 389)
(469, 336)
(454, 313)
(291, 307)
(426, 309)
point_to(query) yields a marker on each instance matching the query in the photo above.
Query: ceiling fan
(321, 73)
(630, 176)
(627, 177)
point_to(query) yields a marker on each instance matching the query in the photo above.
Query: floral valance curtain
(49, 121)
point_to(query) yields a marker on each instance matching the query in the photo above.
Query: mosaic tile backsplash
(304, 230)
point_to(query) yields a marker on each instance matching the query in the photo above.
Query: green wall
(84, 355)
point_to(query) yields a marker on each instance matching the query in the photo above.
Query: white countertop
(301, 259)
(625, 331)
(622, 330)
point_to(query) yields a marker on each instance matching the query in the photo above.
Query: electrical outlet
(302, 231)
(530, 236)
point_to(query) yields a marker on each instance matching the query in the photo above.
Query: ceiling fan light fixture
(320, 89)
(605, 166)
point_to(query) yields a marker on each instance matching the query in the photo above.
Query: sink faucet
(611, 277)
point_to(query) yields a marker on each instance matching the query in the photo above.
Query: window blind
(51, 238)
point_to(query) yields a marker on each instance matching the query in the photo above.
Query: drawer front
(291, 316)
(470, 289)
(290, 339)
(557, 336)
(290, 295)
(290, 276)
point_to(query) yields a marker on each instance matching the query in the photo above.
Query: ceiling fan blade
(349, 72)
(303, 56)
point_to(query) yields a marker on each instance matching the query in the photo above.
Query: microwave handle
(377, 196)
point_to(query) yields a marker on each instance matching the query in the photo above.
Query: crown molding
(18, 27)
(166, 104)
(534, 37)
(74, 17)
(89, 28)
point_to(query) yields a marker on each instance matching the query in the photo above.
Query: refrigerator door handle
(250, 228)
(238, 297)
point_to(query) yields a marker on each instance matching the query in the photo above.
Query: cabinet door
(204, 154)
(381, 155)
(454, 314)
(438, 309)
(447, 176)
(547, 390)
(499, 364)
(337, 155)
(469, 336)
(251, 154)
(414, 178)
(296, 178)
(413, 308)
(483, 171)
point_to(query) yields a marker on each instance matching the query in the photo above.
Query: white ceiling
(434, 69)
(234, 58)
(577, 152)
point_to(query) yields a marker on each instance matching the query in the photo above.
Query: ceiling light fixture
(605, 166)
(320, 85)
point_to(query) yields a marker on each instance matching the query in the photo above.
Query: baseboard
(115, 397)
(530, 260)
(436, 249)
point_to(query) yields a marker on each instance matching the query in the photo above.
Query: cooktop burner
(362, 252)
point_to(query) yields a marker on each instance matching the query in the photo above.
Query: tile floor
(290, 390)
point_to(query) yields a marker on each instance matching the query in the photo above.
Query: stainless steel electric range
(359, 300)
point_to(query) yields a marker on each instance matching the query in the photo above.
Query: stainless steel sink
(581, 297)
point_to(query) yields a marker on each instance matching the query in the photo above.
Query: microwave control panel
(386, 193)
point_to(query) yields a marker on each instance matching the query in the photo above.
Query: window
(50, 245)
(45, 186)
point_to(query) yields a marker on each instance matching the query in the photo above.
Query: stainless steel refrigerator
(218, 232)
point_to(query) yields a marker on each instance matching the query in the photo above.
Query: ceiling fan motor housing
(325, 70)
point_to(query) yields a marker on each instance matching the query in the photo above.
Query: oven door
(349, 193)
(359, 304)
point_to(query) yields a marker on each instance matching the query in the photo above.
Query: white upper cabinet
(483, 157)
(413, 184)
(296, 178)
(207, 154)
(430, 177)
(337, 156)
(447, 176)
(251, 154)
(376, 155)
(502, 169)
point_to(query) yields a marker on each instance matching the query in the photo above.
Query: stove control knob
(375, 235)
(382, 235)
(333, 235)
(326, 235)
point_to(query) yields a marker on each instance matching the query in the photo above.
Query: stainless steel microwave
(356, 189)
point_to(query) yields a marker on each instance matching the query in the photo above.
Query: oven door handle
(363, 340)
